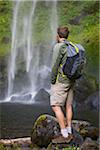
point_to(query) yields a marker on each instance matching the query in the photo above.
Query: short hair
(63, 32)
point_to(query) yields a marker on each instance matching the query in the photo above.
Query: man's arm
(57, 63)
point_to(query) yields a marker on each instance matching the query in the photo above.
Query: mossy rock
(44, 130)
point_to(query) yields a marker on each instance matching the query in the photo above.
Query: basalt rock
(89, 145)
(44, 130)
(86, 129)
(84, 87)
(92, 102)
(42, 97)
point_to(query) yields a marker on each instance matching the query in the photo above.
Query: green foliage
(5, 23)
(12, 147)
(71, 148)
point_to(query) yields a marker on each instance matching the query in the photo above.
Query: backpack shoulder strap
(76, 48)
(73, 45)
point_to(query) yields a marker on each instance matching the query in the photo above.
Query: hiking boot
(61, 139)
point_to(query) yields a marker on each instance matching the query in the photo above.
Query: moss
(40, 120)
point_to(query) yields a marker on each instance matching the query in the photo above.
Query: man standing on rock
(61, 88)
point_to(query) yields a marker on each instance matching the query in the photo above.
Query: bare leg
(60, 116)
(69, 114)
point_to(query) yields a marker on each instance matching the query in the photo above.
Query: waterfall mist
(29, 62)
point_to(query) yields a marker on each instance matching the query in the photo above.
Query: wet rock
(89, 145)
(3, 76)
(84, 87)
(76, 20)
(44, 130)
(17, 98)
(92, 101)
(42, 96)
(86, 129)
(90, 131)
(78, 125)
(5, 40)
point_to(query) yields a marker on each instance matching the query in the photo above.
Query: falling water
(29, 38)
(12, 61)
(24, 51)
(54, 20)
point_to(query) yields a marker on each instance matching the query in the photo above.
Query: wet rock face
(3, 77)
(89, 145)
(44, 130)
(42, 97)
(92, 101)
(19, 98)
(83, 88)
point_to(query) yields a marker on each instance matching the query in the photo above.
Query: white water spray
(54, 20)
(23, 51)
(12, 61)
(29, 37)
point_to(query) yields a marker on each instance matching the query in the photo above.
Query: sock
(64, 132)
(69, 130)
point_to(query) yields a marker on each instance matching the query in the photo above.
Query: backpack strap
(76, 48)
(70, 43)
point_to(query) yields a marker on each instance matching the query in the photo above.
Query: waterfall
(29, 37)
(25, 55)
(12, 61)
(54, 20)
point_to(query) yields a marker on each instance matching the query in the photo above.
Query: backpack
(75, 61)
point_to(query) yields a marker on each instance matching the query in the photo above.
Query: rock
(86, 129)
(90, 131)
(76, 20)
(89, 145)
(92, 102)
(24, 98)
(5, 40)
(44, 130)
(84, 87)
(78, 125)
(42, 97)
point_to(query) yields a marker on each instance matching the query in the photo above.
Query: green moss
(40, 120)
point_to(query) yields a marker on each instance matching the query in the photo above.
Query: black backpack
(75, 62)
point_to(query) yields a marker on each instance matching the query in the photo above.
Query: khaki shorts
(61, 94)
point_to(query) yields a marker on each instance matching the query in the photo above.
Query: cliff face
(82, 18)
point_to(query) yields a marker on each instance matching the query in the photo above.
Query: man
(61, 88)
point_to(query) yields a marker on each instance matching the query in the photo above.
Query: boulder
(24, 98)
(78, 125)
(86, 129)
(44, 130)
(84, 87)
(90, 131)
(89, 145)
(92, 102)
(42, 97)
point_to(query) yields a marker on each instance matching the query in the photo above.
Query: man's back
(58, 60)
